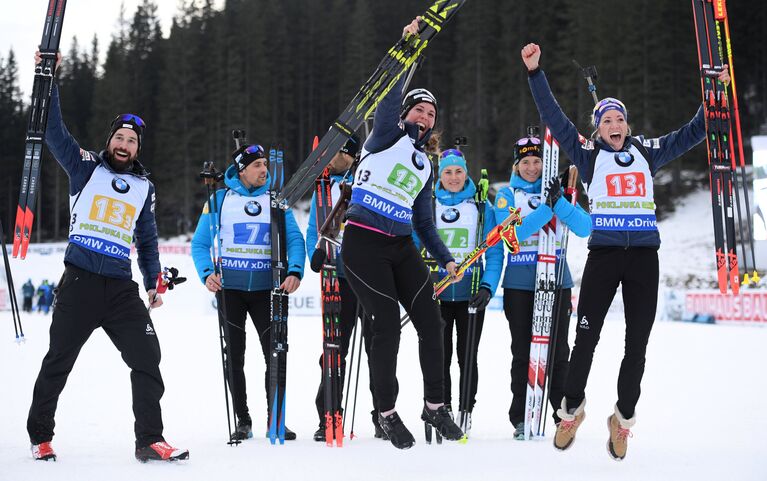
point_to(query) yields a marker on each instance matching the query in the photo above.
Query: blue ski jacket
(522, 276)
(492, 263)
(386, 132)
(659, 151)
(79, 165)
(244, 280)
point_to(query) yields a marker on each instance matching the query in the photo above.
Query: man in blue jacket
(111, 206)
(246, 282)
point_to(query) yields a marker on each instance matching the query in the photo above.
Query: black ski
(278, 333)
(38, 120)
(396, 62)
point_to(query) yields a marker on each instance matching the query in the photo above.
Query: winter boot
(442, 421)
(570, 420)
(160, 451)
(43, 452)
(244, 428)
(620, 431)
(289, 435)
(396, 431)
(519, 431)
(379, 432)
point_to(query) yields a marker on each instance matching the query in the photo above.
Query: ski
(36, 125)
(395, 63)
(722, 174)
(278, 333)
(506, 231)
(543, 304)
(331, 317)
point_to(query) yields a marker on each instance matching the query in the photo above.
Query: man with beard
(111, 205)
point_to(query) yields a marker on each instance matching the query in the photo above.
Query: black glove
(481, 299)
(553, 192)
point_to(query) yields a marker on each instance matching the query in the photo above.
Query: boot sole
(610, 451)
(180, 457)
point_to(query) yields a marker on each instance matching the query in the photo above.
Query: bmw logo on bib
(120, 185)
(624, 159)
(534, 201)
(419, 160)
(451, 215)
(253, 208)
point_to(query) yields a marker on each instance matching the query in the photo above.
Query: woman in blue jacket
(244, 231)
(623, 248)
(391, 196)
(457, 217)
(538, 207)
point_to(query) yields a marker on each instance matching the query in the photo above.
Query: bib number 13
(112, 211)
(631, 184)
(406, 180)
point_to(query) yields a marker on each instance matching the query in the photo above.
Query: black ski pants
(238, 305)
(385, 271)
(636, 269)
(348, 319)
(84, 302)
(456, 314)
(518, 306)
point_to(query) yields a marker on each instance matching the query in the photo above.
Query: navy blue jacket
(79, 164)
(660, 152)
(386, 132)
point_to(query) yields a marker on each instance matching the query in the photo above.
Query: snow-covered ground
(699, 418)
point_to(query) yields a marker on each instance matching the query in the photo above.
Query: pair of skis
(544, 299)
(395, 63)
(710, 24)
(36, 125)
(331, 316)
(278, 333)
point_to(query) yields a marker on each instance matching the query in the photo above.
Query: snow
(698, 417)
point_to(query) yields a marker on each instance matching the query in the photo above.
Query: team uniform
(624, 242)
(519, 286)
(245, 236)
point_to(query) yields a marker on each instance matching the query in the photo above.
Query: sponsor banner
(748, 307)
(101, 246)
(382, 206)
(635, 222)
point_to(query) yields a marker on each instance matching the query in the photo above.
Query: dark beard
(119, 166)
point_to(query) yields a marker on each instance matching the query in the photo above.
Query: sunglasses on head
(255, 149)
(529, 140)
(131, 118)
(449, 152)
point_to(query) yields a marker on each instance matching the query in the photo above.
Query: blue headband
(452, 157)
(606, 105)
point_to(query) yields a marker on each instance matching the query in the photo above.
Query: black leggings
(238, 305)
(456, 314)
(384, 271)
(636, 269)
(518, 307)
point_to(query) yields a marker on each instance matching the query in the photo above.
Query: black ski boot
(244, 428)
(397, 433)
(442, 421)
(379, 432)
(319, 434)
(289, 435)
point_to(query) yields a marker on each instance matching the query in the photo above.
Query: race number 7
(631, 184)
